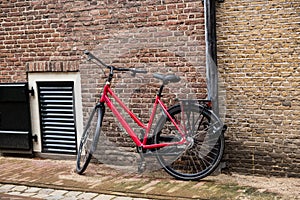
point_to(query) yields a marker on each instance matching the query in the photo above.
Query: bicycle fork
(100, 117)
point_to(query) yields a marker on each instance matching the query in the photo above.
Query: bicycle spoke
(87, 142)
(203, 149)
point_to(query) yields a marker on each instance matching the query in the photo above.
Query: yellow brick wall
(259, 63)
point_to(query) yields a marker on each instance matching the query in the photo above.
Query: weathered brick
(260, 46)
(257, 56)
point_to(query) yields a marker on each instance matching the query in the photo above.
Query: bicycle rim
(88, 142)
(203, 151)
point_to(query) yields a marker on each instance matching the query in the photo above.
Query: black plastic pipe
(211, 53)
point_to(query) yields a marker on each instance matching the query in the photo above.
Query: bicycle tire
(206, 142)
(89, 140)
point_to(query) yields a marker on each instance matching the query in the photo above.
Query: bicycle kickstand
(142, 162)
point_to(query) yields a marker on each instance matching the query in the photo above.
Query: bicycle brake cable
(98, 65)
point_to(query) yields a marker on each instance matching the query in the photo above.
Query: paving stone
(128, 198)
(72, 194)
(58, 192)
(104, 197)
(14, 193)
(42, 196)
(6, 188)
(28, 194)
(32, 190)
(13, 197)
(55, 197)
(87, 195)
(45, 191)
(123, 198)
(69, 198)
(20, 188)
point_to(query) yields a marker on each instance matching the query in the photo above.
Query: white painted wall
(33, 78)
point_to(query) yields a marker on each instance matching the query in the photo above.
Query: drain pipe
(211, 61)
(211, 53)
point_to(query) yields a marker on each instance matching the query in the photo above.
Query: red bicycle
(188, 139)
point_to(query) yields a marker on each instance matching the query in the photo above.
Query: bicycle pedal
(141, 167)
(224, 128)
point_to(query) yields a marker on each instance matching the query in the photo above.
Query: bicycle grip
(86, 52)
(140, 71)
(89, 54)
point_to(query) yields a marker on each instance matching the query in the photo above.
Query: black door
(15, 124)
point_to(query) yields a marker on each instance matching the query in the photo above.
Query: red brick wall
(51, 35)
(160, 36)
(32, 39)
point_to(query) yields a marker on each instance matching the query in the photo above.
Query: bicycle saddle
(169, 78)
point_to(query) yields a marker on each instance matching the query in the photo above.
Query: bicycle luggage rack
(206, 102)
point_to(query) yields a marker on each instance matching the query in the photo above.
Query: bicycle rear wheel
(202, 152)
(89, 140)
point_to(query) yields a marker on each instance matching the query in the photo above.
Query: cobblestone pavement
(21, 192)
(55, 179)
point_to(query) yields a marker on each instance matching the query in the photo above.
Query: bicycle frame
(192, 153)
(105, 99)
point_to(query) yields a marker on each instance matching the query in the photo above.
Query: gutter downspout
(211, 60)
(211, 53)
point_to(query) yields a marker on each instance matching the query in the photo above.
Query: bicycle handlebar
(133, 70)
(91, 56)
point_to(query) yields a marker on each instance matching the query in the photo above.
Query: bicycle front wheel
(204, 146)
(89, 140)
